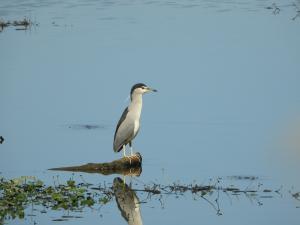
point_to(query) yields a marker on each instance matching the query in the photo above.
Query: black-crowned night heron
(128, 202)
(129, 123)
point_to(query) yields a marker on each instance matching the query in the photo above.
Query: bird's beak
(151, 89)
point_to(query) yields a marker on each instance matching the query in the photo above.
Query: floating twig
(23, 24)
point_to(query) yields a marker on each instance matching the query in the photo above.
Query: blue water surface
(228, 100)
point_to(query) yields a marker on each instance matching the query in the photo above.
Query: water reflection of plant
(297, 7)
(276, 9)
(19, 24)
(296, 195)
(18, 194)
(209, 193)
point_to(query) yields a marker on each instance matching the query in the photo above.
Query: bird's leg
(124, 180)
(124, 150)
(130, 181)
(131, 149)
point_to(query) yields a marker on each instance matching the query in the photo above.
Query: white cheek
(140, 91)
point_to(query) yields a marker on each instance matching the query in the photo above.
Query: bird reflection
(128, 202)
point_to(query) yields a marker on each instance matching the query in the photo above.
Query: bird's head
(141, 88)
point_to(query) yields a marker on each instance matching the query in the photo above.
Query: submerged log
(130, 165)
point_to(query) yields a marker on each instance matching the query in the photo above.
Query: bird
(129, 123)
(127, 202)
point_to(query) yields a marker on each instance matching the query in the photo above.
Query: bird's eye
(143, 87)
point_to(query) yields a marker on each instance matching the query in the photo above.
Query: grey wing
(124, 131)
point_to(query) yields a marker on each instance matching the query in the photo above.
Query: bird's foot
(128, 157)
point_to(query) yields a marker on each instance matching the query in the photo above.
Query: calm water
(228, 102)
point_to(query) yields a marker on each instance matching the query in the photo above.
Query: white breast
(136, 127)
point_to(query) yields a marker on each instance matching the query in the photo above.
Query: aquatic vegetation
(19, 24)
(276, 9)
(296, 195)
(17, 194)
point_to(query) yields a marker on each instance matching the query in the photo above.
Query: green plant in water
(17, 194)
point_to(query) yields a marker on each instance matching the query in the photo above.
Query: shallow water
(227, 73)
